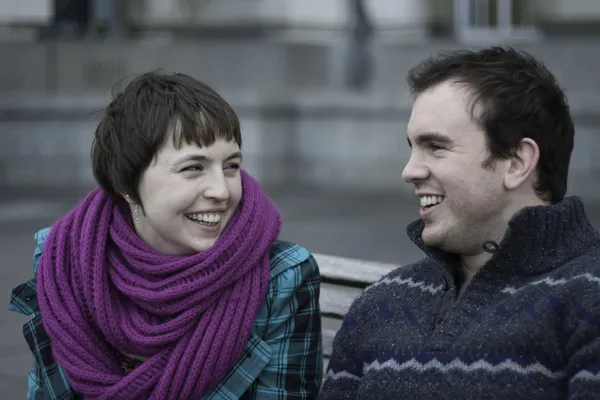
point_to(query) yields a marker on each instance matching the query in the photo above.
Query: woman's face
(188, 196)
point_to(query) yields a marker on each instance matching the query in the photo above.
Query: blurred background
(319, 88)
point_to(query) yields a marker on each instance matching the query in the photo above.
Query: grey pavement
(368, 226)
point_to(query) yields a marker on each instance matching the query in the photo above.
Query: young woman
(169, 281)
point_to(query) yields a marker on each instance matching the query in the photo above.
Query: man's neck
(470, 265)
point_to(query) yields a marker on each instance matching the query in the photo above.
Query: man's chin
(430, 237)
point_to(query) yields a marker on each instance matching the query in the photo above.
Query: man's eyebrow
(429, 137)
(201, 158)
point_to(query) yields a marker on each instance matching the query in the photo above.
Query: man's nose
(415, 170)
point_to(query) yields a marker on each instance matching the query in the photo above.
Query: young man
(506, 303)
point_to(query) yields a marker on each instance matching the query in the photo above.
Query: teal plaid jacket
(283, 359)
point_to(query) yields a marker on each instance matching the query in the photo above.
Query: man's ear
(522, 164)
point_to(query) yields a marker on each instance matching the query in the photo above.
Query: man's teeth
(209, 218)
(431, 200)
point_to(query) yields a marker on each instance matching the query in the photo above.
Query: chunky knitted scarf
(104, 292)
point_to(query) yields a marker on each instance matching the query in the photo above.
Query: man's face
(462, 202)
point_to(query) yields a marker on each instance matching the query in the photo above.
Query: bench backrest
(343, 280)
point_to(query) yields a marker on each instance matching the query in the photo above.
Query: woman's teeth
(431, 200)
(206, 218)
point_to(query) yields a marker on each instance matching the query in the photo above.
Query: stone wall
(254, 65)
(300, 125)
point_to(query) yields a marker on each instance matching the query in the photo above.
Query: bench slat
(341, 289)
(336, 300)
(329, 328)
(328, 336)
(350, 269)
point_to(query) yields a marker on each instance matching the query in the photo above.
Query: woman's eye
(194, 168)
(233, 167)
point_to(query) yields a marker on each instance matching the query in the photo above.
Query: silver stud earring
(136, 213)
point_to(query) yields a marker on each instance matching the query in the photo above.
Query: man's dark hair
(514, 96)
(137, 123)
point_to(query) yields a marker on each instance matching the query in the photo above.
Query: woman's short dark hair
(151, 109)
(515, 97)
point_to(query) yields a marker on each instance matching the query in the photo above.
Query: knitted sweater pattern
(526, 327)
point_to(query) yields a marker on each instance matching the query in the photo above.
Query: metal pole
(463, 17)
(360, 62)
(482, 13)
(105, 16)
(505, 14)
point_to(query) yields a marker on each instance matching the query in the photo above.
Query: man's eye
(434, 147)
(233, 167)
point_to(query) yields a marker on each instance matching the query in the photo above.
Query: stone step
(270, 66)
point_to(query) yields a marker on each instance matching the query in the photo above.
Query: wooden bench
(343, 280)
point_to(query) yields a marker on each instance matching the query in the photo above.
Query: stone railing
(300, 125)
(318, 139)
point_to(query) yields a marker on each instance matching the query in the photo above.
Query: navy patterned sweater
(526, 327)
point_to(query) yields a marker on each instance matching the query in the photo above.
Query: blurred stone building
(282, 64)
(300, 19)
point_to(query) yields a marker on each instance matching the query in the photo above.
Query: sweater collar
(538, 239)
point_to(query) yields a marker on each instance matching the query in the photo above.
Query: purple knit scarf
(102, 292)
